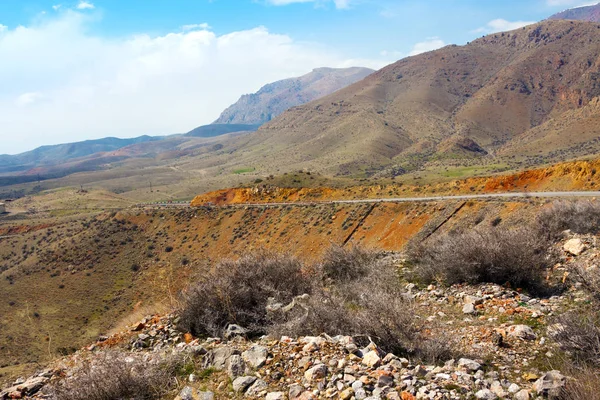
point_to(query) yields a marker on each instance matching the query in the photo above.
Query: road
(508, 195)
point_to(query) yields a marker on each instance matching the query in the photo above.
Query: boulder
(257, 388)
(522, 332)
(315, 373)
(550, 384)
(189, 393)
(275, 396)
(469, 364)
(486, 394)
(236, 366)
(242, 383)
(469, 309)
(371, 359)
(574, 246)
(255, 356)
(234, 331)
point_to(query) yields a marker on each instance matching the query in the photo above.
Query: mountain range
(505, 101)
(274, 98)
(586, 13)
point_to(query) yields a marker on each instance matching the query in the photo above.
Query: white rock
(371, 359)
(469, 364)
(468, 308)
(486, 394)
(522, 332)
(574, 246)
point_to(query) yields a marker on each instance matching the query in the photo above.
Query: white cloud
(3, 28)
(64, 84)
(56, 7)
(194, 27)
(339, 4)
(501, 25)
(430, 44)
(28, 98)
(85, 5)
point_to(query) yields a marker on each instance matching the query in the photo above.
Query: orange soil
(577, 175)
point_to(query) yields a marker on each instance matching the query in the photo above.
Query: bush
(579, 335)
(116, 375)
(518, 256)
(238, 292)
(371, 308)
(340, 264)
(578, 216)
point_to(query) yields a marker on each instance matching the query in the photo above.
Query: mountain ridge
(274, 98)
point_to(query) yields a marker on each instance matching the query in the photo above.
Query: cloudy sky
(82, 69)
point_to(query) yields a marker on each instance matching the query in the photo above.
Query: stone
(295, 391)
(315, 373)
(236, 366)
(218, 358)
(469, 309)
(234, 330)
(550, 384)
(475, 300)
(486, 394)
(574, 246)
(346, 394)
(189, 393)
(469, 364)
(242, 383)
(522, 395)
(255, 356)
(310, 347)
(275, 396)
(522, 332)
(371, 359)
(513, 388)
(256, 388)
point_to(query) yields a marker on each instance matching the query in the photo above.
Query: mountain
(587, 13)
(274, 98)
(53, 154)
(213, 130)
(528, 95)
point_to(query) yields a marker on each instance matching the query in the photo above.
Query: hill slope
(274, 98)
(533, 85)
(588, 13)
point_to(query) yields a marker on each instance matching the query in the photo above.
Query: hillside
(493, 99)
(213, 130)
(53, 154)
(274, 98)
(586, 13)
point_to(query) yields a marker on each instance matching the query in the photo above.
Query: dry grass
(237, 292)
(115, 375)
(517, 256)
(578, 216)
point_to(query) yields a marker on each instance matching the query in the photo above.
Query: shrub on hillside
(238, 292)
(578, 216)
(369, 308)
(578, 334)
(116, 375)
(517, 256)
(343, 264)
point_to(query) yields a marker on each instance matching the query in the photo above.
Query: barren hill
(587, 13)
(274, 98)
(535, 87)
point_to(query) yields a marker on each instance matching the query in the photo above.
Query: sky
(82, 69)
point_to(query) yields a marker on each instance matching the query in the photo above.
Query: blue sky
(80, 69)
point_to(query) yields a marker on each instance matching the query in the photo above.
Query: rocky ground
(503, 339)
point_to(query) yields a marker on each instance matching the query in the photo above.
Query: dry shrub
(369, 308)
(517, 256)
(238, 291)
(579, 335)
(578, 216)
(342, 264)
(350, 292)
(584, 386)
(117, 375)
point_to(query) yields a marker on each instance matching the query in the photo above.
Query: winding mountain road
(507, 195)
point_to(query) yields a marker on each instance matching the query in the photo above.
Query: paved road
(508, 195)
